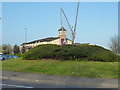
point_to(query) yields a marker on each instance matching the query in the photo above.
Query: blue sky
(97, 21)
(0, 23)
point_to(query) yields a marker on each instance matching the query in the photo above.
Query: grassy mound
(71, 52)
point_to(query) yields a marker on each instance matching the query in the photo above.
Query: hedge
(71, 52)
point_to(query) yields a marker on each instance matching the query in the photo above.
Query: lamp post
(25, 35)
(25, 38)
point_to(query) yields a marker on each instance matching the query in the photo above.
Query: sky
(97, 21)
(0, 24)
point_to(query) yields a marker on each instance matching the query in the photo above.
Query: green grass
(66, 68)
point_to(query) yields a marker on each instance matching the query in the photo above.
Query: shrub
(71, 52)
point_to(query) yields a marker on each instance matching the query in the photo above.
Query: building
(60, 40)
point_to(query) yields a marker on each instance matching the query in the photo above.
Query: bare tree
(6, 49)
(114, 44)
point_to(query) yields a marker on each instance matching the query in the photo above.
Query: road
(6, 83)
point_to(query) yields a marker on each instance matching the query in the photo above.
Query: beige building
(60, 40)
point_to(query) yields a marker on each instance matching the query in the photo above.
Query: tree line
(9, 49)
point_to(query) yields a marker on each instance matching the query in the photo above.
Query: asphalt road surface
(21, 84)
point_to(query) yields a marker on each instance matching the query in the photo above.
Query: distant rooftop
(61, 29)
(46, 39)
(42, 40)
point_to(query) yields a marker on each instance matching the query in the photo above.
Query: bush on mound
(71, 52)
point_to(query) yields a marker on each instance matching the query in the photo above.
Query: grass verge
(66, 68)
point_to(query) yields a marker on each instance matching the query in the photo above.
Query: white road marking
(16, 86)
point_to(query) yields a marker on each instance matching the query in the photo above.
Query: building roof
(61, 29)
(42, 40)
